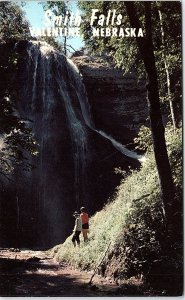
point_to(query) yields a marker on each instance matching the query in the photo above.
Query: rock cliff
(118, 102)
(76, 161)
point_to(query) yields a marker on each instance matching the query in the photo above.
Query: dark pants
(75, 237)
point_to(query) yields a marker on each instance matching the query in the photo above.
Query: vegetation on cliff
(139, 232)
(148, 49)
(16, 139)
(13, 24)
(132, 223)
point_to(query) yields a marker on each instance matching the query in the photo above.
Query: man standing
(85, 223)
(77, 229)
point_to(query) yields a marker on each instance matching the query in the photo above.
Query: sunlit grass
(137, 192)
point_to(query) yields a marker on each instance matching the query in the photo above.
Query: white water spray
(88, 119)
(70, 87)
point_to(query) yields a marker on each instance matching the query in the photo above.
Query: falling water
(82, 96)
(69, 84)
(38, 56)
(88, 119)
(77, 130)
(43, 54)
(53, 97)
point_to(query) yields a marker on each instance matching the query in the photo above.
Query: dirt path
(34, 273)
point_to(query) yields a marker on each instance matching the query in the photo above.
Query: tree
(13, 24)
(142, 53)
(16, 140)
(58, 8)
(166, 66)
(126, 54)
(167, 51)
(146, 49)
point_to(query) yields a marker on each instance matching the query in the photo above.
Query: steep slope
(75, 163)
(131, 228)
(118, 101)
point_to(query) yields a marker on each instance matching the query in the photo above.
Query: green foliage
(151, 250)
(16, 139)
(124, 51)
(175, 152)
(59, 8)
(133, 222)
(13, 24)
(143, 140)
(168, 51)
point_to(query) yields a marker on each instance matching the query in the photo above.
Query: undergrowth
(132, 225)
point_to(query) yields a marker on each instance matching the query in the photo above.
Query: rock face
(76, 162)
(118, 102)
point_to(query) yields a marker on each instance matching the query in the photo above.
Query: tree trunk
(65, 45)
(167, 71)
(145, 45)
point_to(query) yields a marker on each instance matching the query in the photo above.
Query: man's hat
(82, 208)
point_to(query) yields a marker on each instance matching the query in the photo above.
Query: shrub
(133, 222)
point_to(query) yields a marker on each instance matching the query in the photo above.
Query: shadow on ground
(42, 277)
(34, 273)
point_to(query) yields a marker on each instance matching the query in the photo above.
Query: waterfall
(42, 54)
(88, 119)
(70, 170)
(77, 130)
(82, 96)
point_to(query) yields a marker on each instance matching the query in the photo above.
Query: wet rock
(118, 101)
(75, 165)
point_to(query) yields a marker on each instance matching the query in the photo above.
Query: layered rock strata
(118, 101)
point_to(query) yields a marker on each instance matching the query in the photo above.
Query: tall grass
(136, 198)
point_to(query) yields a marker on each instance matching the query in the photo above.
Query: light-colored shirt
(78, 224)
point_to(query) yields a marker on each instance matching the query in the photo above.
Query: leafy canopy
(124, 51)
(13, 24)
(16, 139)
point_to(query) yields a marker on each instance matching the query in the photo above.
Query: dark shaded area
(16, 281)
(35, 277)
(37, 206)
(118, 102)
(28, 275)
